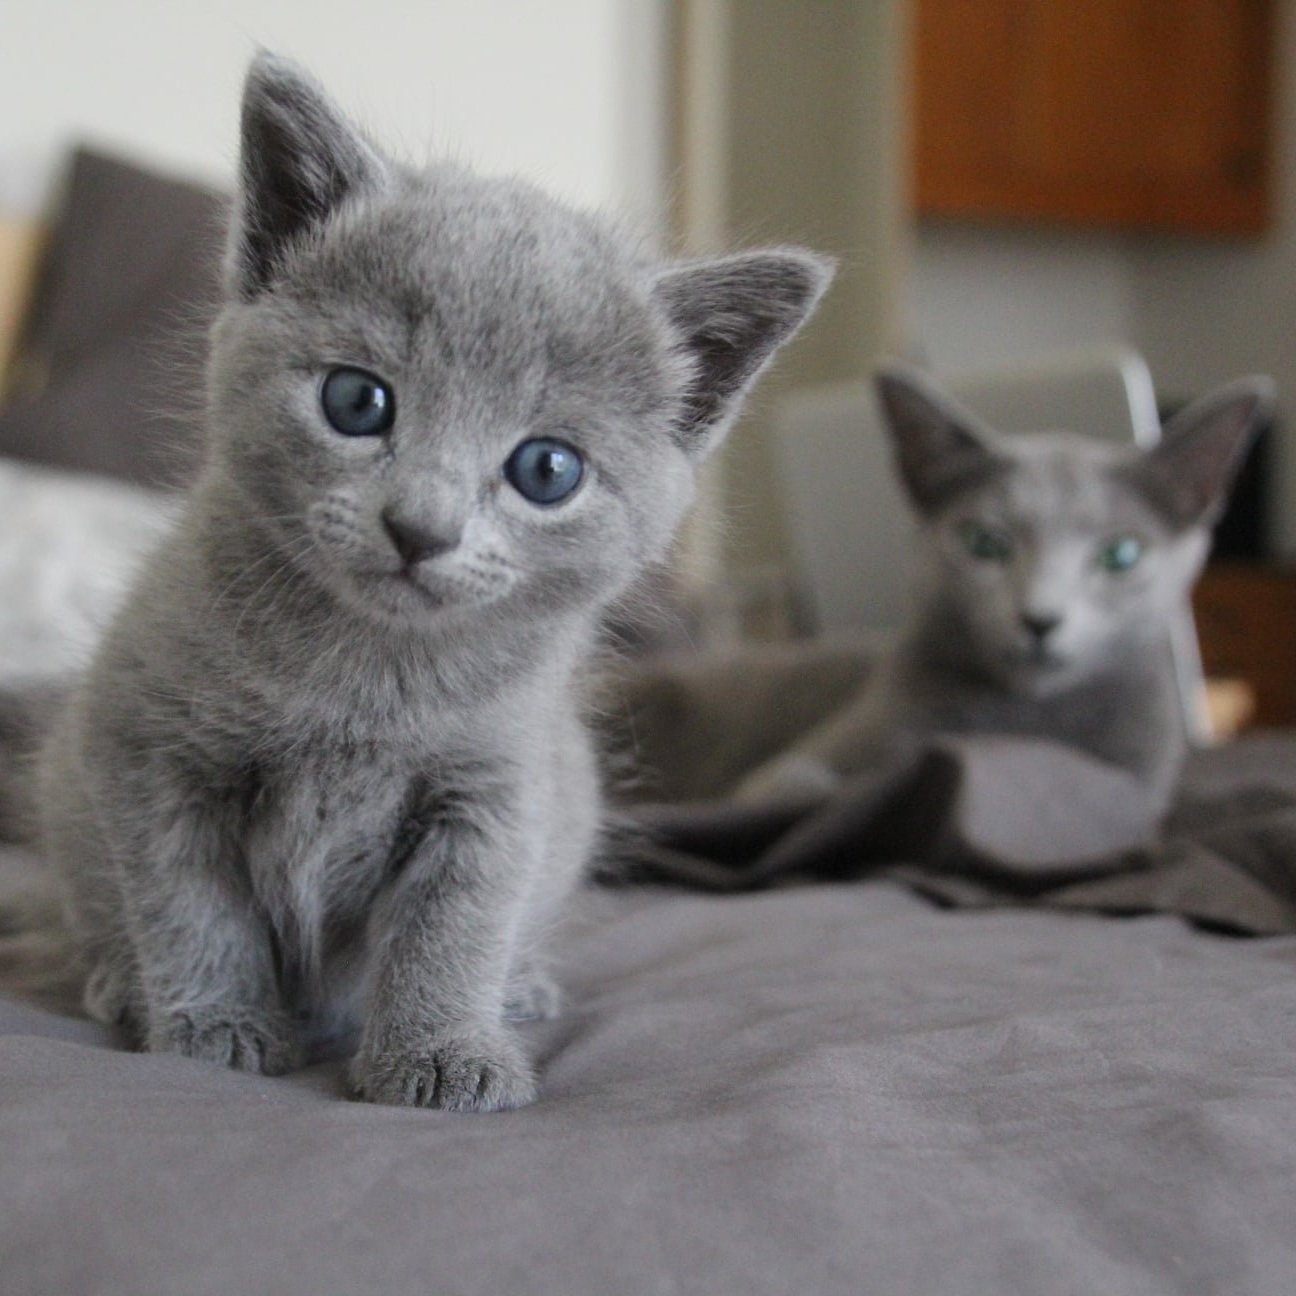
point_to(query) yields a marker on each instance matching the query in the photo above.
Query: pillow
(106, 376)
(20, 247)
(68, 547)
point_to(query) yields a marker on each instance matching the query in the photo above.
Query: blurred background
(1005, 182)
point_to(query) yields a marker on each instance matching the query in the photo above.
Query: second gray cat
(1052, 570)
(328, 765)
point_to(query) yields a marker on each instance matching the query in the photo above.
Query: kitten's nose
(1040, 624)
(414, 543)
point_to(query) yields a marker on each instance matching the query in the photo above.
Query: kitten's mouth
(403, 591)
(406, 578)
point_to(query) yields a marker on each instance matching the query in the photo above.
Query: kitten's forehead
(1059, 480)
(489, 284)
(486, 253)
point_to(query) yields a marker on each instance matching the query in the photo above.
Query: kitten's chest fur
(325, 830)
(328, 830)
(334, 753)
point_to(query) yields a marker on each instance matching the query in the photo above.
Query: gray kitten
(1053, 568)
(328, 764)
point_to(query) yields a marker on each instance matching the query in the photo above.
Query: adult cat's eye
(544, 470)
(357, 403)
(1120, 553)
(986, 543)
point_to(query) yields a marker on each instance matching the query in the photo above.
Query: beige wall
(790, 131)
(568, 92)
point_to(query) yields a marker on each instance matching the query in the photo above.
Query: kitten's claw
(246, 1039)
(453, 1075)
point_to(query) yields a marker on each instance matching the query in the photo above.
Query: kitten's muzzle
(415, 543)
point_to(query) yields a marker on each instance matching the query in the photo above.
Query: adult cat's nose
(415, 542)
(1039, 625)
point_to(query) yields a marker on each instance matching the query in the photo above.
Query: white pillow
(68, 546)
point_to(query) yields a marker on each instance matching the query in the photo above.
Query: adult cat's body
(328, 764)
(1053, 569)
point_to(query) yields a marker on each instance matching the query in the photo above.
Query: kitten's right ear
(300, 158)
(939, 447)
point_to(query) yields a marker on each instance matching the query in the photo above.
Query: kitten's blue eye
(985, 543)
(357, 403)
(1120, 554)
(544, 470)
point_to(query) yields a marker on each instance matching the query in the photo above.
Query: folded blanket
(973, 821)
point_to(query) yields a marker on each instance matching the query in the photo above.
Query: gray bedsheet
(830, 1089)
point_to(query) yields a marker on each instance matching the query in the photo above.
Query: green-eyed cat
(1053, 570)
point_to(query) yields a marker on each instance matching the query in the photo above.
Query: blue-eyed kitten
(328, 765)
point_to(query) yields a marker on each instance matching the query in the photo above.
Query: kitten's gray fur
(306, 780)
(1044, 643)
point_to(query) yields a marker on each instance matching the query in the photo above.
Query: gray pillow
(106, 374)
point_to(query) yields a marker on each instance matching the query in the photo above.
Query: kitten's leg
(570, 836)
(112, 994)
(175, 947)
(199, 942)
(435, 1034)
(92, 909)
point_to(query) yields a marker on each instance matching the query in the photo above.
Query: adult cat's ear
(1189, 472)
(940, 448)
(731, 315)
(299, 159)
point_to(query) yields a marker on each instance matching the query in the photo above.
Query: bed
(912, 1072)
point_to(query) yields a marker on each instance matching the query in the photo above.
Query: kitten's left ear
(1189, 472)
(300, 159)
(731, 315)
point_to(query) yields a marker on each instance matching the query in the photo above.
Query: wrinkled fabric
(829, 1089)
(976, 820)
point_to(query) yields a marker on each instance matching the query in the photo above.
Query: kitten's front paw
(247, 1039)
(468, 1074)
